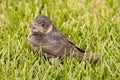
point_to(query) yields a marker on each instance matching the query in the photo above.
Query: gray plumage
(44, 35)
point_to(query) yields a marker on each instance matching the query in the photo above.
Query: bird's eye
(42, 24)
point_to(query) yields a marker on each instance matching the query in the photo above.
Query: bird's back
(56, 44)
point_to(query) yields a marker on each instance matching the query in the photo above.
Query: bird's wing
(57, 45)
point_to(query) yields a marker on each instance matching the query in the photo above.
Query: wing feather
(56, 44)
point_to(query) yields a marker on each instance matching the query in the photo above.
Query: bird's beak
(31, 26)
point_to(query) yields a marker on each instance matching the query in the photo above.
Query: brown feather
(52, 42)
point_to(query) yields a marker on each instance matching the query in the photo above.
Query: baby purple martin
(45, 36)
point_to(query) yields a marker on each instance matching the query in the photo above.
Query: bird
(46, 37)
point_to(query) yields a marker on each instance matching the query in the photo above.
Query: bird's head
(41, 24)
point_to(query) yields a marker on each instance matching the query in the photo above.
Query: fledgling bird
(54, 44)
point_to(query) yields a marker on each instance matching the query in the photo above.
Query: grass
(93, 25)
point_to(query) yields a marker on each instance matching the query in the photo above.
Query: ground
(93, 25)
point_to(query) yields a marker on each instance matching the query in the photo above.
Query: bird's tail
(91, 58)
